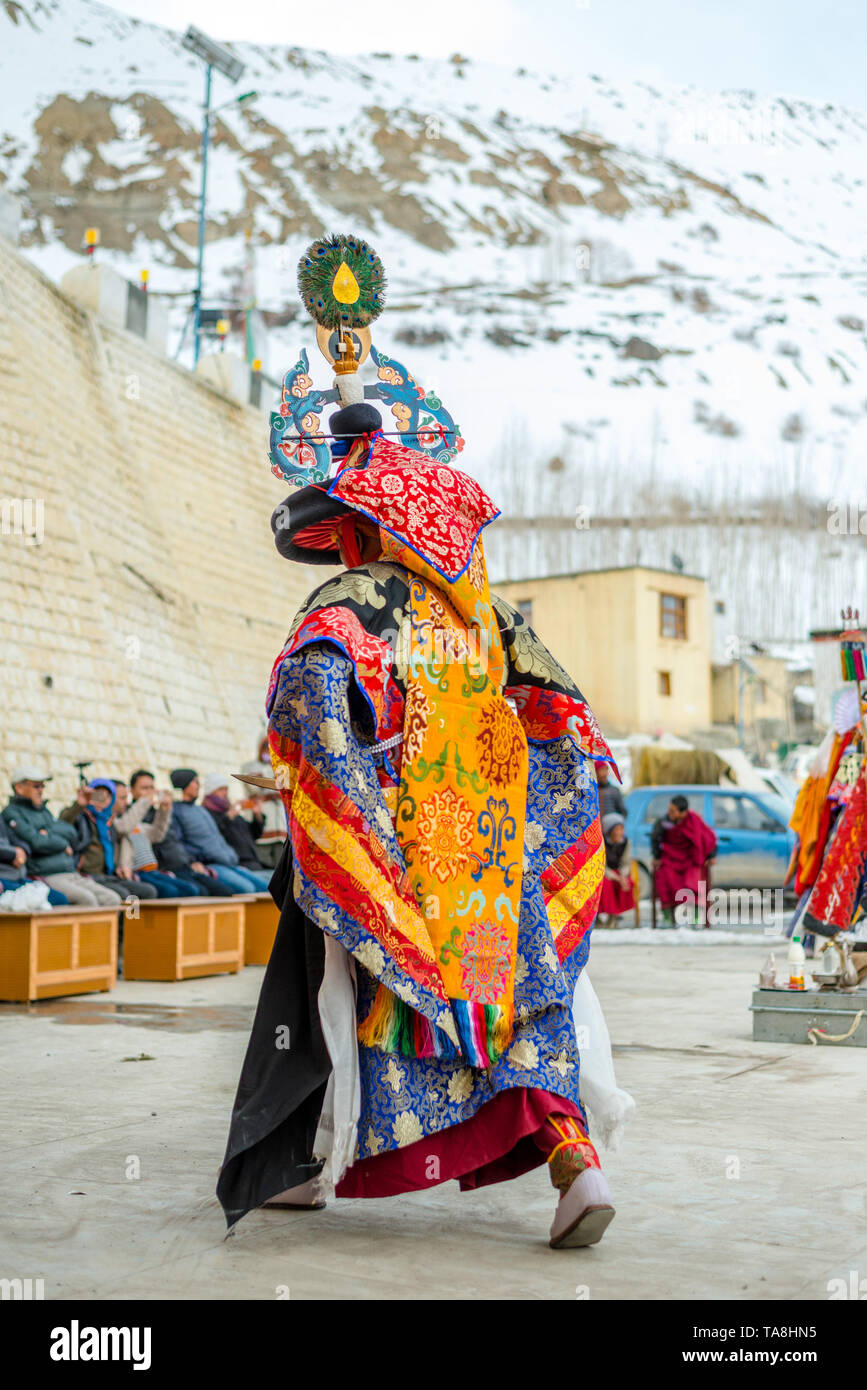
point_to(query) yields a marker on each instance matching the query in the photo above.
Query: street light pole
(206, 135)
(213, 55)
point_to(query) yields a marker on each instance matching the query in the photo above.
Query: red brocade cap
(434, 509)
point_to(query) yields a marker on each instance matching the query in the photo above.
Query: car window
(658, 805)
(726, 812)
(755, 817)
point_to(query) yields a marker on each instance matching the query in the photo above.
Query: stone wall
(140, 616)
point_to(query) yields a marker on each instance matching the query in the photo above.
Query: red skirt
(510, 1135)
(616, 900)
(671, 879)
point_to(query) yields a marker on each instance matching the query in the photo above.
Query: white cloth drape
(338, 1124)
(608, 1107)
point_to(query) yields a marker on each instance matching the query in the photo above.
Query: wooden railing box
(261, 928)
(67, 950)
(180, 938)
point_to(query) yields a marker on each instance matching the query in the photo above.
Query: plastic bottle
(768, 973)
(795, 960)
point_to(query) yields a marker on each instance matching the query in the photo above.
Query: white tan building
(637, 641)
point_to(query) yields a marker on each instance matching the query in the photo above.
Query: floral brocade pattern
(499, 746)
(418, 711)
(406, 1099)
(486, 962)
(460, 807)
(445, 827)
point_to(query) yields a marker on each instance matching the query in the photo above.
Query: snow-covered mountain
(664, 292)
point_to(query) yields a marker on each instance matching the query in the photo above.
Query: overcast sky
(791, 47)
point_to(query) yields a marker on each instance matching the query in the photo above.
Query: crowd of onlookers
(118, 840)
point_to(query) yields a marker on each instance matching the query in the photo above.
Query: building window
(525, 608)
(672, 615)
(665, 682)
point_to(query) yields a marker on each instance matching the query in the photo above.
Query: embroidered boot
(584, 1211)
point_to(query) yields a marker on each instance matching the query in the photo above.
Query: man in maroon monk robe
(682, 843)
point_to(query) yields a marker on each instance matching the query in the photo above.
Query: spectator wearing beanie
(198, 833)
(239, 833)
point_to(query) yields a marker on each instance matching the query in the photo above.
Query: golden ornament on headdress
(328, 339)
(344, 286)
(347, 361)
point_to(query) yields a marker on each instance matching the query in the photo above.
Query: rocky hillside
(619, 291)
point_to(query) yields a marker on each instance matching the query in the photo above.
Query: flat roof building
(636, 640)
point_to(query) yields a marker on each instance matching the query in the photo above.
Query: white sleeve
(608, 1108)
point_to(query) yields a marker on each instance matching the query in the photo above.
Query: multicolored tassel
(393, 1026)
(484, 1030)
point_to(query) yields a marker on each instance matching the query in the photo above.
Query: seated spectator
(175, 864)
(98, 844)
(682, 844)
(241, 834)
(265, 801)
(51, 843)
(126, 813)
(618, 890)
(610, 796)
(197, 831)
(139, 836)
(13, 866)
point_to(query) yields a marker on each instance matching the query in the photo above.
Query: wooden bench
(180, 938)
(261, 927)
(66, 950)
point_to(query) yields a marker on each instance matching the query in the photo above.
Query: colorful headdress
(852, 654)
(342, 285)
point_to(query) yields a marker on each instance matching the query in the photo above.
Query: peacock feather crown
(342, 282)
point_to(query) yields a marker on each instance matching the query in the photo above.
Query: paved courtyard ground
(741, 1176)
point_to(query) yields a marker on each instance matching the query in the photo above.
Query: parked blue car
(754, 842)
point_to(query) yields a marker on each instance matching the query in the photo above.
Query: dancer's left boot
(584, 1211)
